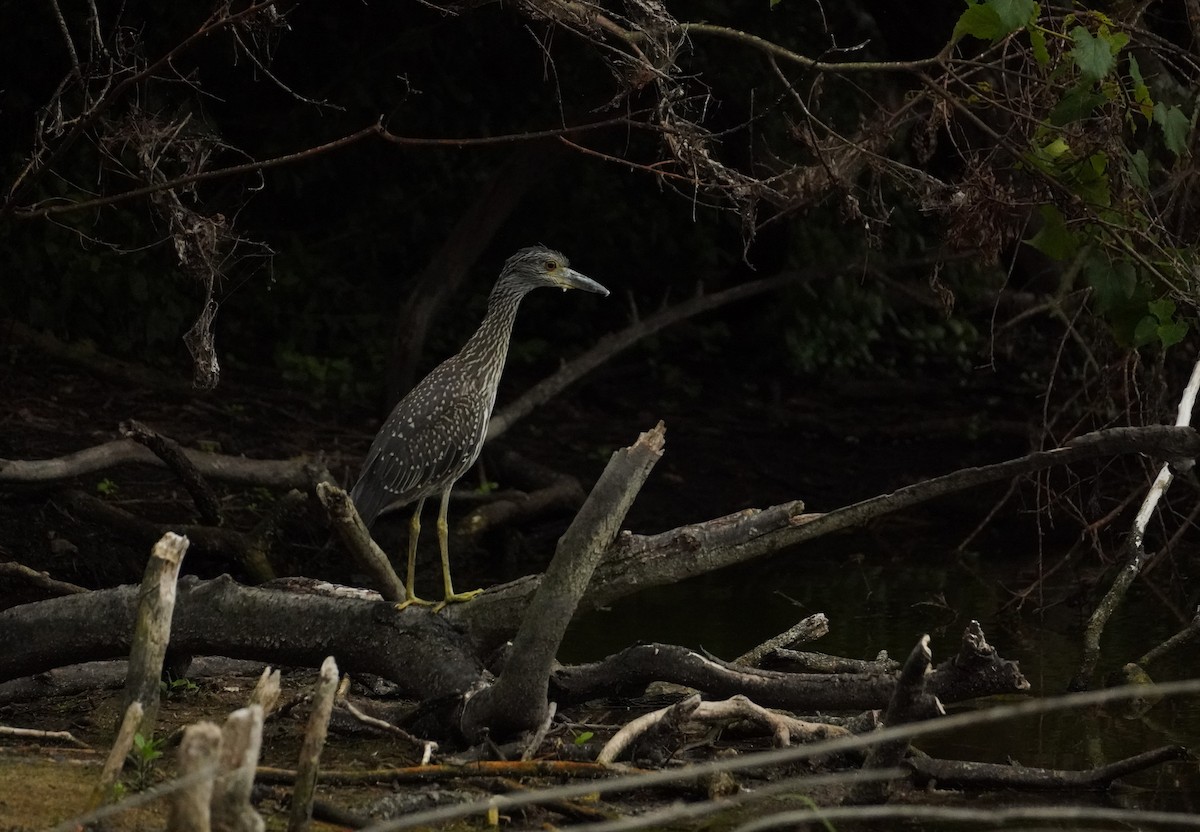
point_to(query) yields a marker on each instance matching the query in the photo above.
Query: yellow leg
(414, 531)
(443, 530)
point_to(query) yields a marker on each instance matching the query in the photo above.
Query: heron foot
(415, 601)
(457, 598)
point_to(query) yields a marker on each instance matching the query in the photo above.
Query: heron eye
(551, 265)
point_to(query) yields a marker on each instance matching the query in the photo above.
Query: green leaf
(1076, 105)
(1139, 169)
(1141, 93)
(1054, 239)
(587, 735)
(1014, 14)
(1172, 333)
(1145, 331)
(1112, 283)
(1163, 309)
(980, 21)
(1174, 126)
(1091, 54)
(1037, 40)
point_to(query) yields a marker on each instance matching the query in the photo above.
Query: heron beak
(571, 279)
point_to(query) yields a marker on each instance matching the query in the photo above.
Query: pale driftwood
(34, 734)
(116, 756)
(354, 535)
(666, 722)
(266, 691)
(426, 747)
(518, 700)
(784, 728)
(275, 473)
(41, 580)
(965, 774)
(309, 763)
(152, 633)
(199, 752)
(1134, 552)
(241, 740)
(173, 456)
(807, 629)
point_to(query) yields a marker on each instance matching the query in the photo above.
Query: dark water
(879, 603)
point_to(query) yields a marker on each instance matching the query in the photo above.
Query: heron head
(538, 266)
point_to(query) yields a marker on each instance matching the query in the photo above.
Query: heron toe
(415, 601)
(457, 598)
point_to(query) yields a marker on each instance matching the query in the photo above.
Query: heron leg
(443, 530)
(414, 531)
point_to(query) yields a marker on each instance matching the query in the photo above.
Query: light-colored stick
(156, 606)
(241, 739)
(116, 757)
(200, 749)
(314, 744)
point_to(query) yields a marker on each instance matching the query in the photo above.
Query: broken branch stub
(152, 633)
(518, 699)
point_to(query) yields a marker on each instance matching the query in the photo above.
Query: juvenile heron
(435, 433)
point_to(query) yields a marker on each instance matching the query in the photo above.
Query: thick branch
(418, 651)
(518, 700)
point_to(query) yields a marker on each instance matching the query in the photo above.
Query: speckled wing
(417, 454)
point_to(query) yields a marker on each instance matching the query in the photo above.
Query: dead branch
(797, 661)
(420, 652)
(909, 703)
(314, 744)
(631, 670)
(172, 455)
(152, 632)
(666, 726)
(41, 580)
(357, 539)
(808, 629)
(1134, 551)
(965, 774)
(518, 700)
(275, 473)
(42, 736)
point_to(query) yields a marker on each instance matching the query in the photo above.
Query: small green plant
(584, 737)
(146, 752)
(107, 487)
(172, 687)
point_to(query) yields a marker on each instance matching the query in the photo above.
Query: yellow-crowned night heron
(435, 433)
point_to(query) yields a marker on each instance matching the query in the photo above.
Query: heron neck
(488, 347)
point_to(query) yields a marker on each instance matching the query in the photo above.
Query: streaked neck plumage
(486, 350)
